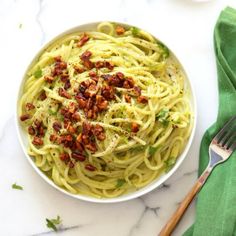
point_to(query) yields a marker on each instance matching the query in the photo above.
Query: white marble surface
(186, 26)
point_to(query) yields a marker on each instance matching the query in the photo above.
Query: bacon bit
(86, 128)
(48, 79)
(57, 126)
(42, 96)
(66, 140)
(142, 99)
(91, 147)
(38, 123)
(79, 69)
(63, 93)
(88, 64)
(137, 91)
(65, 113)
(67, 85)
(98, 131)
(120, 75)
(53, 138)
(85, 56)
(90, 167)
(64, 156)
(81, 100)
(71, 129)
(92, 74)
(25, 117)
(31, 130)
(83, 40)
(57, 59)
(79, 144)
(109, 65)
(76, 116)
(72, 107)
(78, 156)
(127, 98)
(120, 30)
(91, 91)
(108, 92)
(106, 76)
(37, 141)
(128, 83)
(64, 77)
(62, 65)
(115, 81)
(134, 127)
(101, 103)
(29, 106)
(99, 64)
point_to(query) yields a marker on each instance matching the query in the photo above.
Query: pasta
(106, 112)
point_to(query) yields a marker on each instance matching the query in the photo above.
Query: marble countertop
(187, 28)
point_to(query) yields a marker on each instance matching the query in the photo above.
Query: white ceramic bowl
(24, 142)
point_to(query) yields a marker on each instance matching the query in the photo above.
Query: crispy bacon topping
(31, 130)
(120, 29)
(25, 117)
(65, 156)
(127, 98)
(78, 156)
(142, 99)
(56, 126)
(83, 40)
(37, 141)
(134, 127)
(29, 106)
(42, 96)
(63, 93)
(108, 92)
(48, 79)
(90, 167)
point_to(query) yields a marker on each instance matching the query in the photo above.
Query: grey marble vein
(140, 219)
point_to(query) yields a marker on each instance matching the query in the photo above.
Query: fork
(220, 149)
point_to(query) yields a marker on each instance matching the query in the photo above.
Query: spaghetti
(106, 111)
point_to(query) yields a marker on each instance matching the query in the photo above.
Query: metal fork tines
(224, 143)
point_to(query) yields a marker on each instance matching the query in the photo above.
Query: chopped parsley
(20, 26)
(18, 187)
(152, 150)
(162, 116)
(169, 163)
(38, 73)
(51, 223)
(135, 31)
(120, 182)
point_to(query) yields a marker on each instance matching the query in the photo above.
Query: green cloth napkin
(216, 203)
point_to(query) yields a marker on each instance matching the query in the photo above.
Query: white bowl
(24, 142)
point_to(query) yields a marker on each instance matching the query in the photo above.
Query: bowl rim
(129, 196)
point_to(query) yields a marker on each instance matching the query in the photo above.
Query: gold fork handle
(173, 221)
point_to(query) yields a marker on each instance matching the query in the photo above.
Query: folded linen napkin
(216, 203)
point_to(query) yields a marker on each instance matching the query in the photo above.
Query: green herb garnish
(38, 73)
(152, 150)
(15, 186)
(20, 26)
(169, 163)
(164, 49)
(51, 223)
(135, 31)
(120, 182)
(162, 116)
